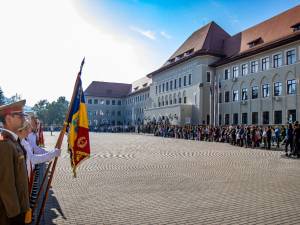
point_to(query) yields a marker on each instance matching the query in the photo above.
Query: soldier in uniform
(14, 196)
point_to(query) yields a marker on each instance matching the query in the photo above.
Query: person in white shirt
(33, 137)
(35, 154)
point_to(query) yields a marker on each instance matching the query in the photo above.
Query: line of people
(248, 136)
(19, 153)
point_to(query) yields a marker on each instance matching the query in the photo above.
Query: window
(235, 71)
(254, 92)
(255, 42)
(244, 118)
(208, 76)
(179, 82)
(265, 63)
(244, 94)
(235, 95)
(184, 81)
(226, 119)
(171, 85)
(159, 88)
(95, 101)
(226, 96)
(163, 87)
(235, 118)
(175, 84)
(179, 100)
(277, 88)
(184, 99)
(290, 56)
(254, 67)
(220, 119)
(265, 90)
(291, 115)
(90, 101)
(220, 97)
(277, 60)
(254, 117)
(119, 102)
(278, 117)
(244, 69)
(113, 102)
(155, 89)
(291, 87)
(190, 79)
(226, 74)
(167, 86)
(296, 27)
(107, 102)
(266, 117)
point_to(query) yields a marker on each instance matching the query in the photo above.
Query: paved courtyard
(141, 179)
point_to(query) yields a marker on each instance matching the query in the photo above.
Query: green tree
(2, 98)
(52, 113)
(41, 110)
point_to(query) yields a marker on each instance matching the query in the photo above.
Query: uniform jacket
(14, 196)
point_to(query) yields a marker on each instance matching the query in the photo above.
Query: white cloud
(147, 33)
(43, 43)
(165, 35)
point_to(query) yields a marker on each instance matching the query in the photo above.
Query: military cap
(15, 107)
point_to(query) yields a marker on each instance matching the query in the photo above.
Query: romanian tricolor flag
(78, 129)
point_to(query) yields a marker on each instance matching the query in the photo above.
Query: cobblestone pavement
(140, 179)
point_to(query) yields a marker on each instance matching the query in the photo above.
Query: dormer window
(179, 57)
(296, 27)
(255, 42)
(171, 60)
(136, 88)
(145, 84)
(187, 53)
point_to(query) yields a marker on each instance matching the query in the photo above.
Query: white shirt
(33, 159)
(32, 141)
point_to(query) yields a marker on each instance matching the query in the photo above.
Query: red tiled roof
(208, 38)
(269, 31)
(213, 40)
(108, 89)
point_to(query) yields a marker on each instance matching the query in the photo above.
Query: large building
(116, 104)
(215, 78)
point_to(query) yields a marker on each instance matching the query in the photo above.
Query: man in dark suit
(14, 196)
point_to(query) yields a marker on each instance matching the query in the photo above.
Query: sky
(42, 42)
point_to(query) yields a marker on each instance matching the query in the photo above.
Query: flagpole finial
(81, 66)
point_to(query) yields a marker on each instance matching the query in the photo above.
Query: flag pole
(59, 143)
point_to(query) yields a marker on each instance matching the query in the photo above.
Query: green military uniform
(14, 196)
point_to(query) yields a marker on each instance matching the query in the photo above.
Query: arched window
(184, 97)
(174, 99)
(179, 98)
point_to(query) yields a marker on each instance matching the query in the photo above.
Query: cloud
(146, 33)
(165, 35)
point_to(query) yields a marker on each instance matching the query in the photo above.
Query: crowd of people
(241, 135)
(20, 151)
